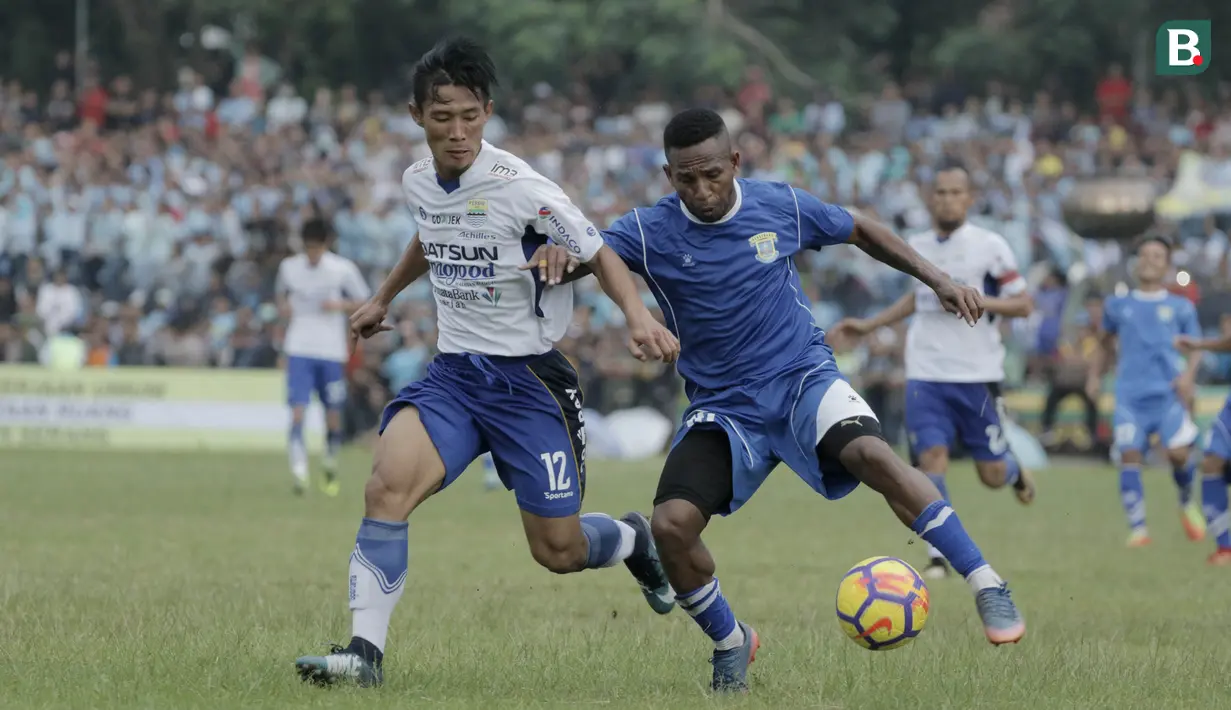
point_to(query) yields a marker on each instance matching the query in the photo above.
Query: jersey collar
(739, 200)
(945, 238)
(1158, 295)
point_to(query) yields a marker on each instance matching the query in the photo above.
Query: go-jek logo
(1182, 48)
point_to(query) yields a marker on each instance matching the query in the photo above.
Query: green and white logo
(1182, 48)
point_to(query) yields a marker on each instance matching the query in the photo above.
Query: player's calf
(919, 505)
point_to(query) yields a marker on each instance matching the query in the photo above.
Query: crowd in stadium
(144, 228)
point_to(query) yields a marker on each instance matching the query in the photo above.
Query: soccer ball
(882, 603)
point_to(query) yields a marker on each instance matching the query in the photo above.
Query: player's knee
(559, 554)
(992, 473)
(676, 524)
(1130, 456)
(1178, 457)
(934, 459)
(297, 413)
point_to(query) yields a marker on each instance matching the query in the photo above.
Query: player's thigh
(1130, 429)
(697, 481)
(537, 436)
(330, 383)
(979, 414)
(929, 421)
(829, 416)
(300, 380)
(427, 439)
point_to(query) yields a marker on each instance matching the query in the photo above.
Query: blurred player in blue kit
(319, 289)
(954, 372)
(762, 385)
(498, 385)
(1215, 474)
(1154, 386)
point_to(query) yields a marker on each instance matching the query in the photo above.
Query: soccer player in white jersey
(954, 371)
(319, 289)
(498, 384)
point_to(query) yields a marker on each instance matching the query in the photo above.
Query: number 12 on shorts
(557, 471)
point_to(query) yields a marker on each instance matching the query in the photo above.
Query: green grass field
(193, 581)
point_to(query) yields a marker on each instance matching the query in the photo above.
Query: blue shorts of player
(777, 421)
(526, 411)
(305, 375)
(1137, 419)
(939, 413)
(1218, 439)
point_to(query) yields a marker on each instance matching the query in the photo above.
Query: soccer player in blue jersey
(1214, 471)
(1153, 386)
(762, 385)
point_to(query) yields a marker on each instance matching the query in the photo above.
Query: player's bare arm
(1188, 345)
(369, 318)
(879, 242)
(901, 309)
(643, 330)
(1019, 305)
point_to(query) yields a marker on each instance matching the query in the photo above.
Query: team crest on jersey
(544, 212)
(766, 244)
(476, 212)
(1165, 313)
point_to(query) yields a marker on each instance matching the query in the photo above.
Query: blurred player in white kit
(954, 371)
(320, 289)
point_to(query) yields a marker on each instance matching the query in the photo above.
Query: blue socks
(377, 577)
(611, 541)
(1183, 477)
(1214, 504)
(710, 610)
(1132, 496)
(333, 444)
(939, 526)
(1012, 469)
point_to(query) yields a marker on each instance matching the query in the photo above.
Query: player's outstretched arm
(1188, 345)
(644, 332)
(879, 242)
(1019, 305)
(369, 319)
(901, 309)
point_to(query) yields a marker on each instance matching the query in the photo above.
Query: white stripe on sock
(735, 639)
(939, 520)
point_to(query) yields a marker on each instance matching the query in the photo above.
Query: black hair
(692, 126)
(314, 231)
(949, 164)
(1157, 239)
(455, 61)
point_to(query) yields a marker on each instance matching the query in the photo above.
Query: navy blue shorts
(526, 411)
(305, 375)
(937, 413)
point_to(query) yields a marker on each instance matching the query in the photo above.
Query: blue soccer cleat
(731, 667)
(1002, 622)
(340, 665)
(646, 568)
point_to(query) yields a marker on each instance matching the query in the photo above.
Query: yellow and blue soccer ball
(882, 603)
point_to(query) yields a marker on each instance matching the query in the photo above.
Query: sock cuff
(696, 596)
(1130, 469)
(373, 529)
(932, 515)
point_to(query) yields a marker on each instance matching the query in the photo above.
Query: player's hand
(650, 340)
(553, 262)
(1187, 345)
(368, 320)
(962, 300)
(852, 328)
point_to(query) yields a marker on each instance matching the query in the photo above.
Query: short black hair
(949, 164)
(314, 231)
(692, 126)
(1157, 239)
(455, 61)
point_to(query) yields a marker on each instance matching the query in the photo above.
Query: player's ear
(415, 113)
(735, 158)
(487, 108)
(667, 171)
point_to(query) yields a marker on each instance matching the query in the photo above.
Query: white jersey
(941, 347)
(313, 331)
(476, 234)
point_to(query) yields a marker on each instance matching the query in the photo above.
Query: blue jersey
(729, 289)
(1146, 325)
